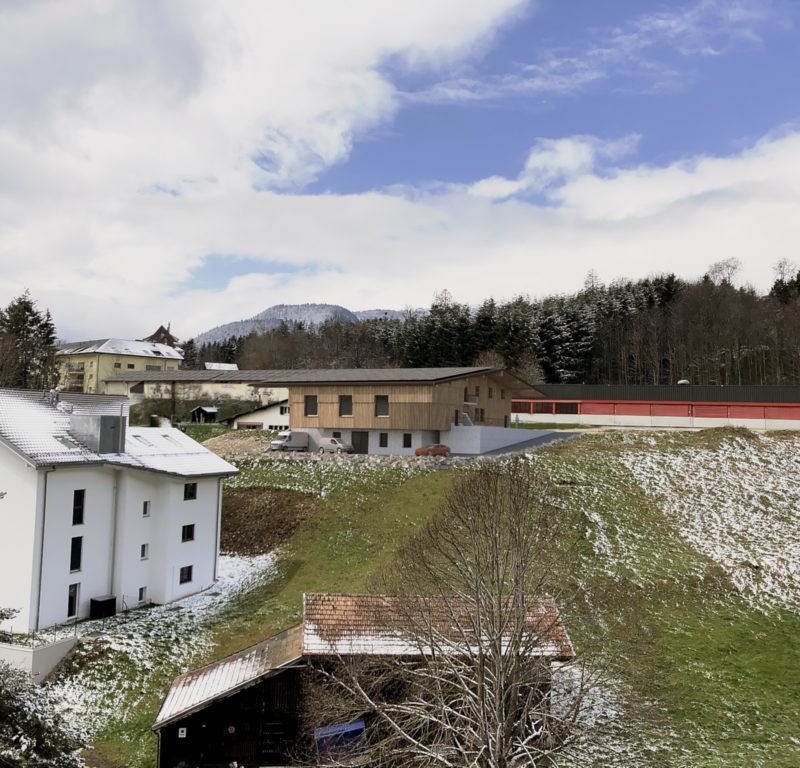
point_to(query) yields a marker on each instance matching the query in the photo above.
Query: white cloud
(554, 162)
(129, 100)
(640, 53)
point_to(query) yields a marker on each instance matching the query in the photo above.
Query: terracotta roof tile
(379, 625)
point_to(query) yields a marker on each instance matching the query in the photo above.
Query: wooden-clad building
(377, 410)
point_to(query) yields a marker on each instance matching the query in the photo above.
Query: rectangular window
(477, 390)
(144, 551)
(118, 365)
(381, 405)
(490, 393)
(142, 594)
(145, 509)
(383, 439)
(345, 405)
(75, 553)
(73, 592)
(502, 394)
(483, 415)
(284, 410)
(78, 499)
(337, 435)
(406, 439)
(187, 532)
(131, 366)
(152, 367)
(186, 574)
(190, 491)
(310, 405)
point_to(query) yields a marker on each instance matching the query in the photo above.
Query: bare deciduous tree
(475, 601)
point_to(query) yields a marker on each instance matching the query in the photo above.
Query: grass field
(691, 535)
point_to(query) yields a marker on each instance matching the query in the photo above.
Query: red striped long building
(679, 405)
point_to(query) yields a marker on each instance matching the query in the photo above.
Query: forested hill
(652, 331)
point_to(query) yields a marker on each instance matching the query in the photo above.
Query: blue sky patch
(217, 269)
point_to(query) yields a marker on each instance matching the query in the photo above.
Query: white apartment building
(95, 516)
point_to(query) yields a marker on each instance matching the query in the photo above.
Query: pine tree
(28, 345)
(190, 355)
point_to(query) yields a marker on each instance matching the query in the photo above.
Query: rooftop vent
(101, 434)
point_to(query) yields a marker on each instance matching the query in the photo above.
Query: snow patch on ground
(122, 657)
(739, 505)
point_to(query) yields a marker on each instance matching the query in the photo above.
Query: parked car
(290, 441)
(333, 445)
(437, 449)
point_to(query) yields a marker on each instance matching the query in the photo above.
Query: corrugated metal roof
(196, 689)
(380, 625)
(690, 393)
(121, 347)
(42, 433)
(302, 376)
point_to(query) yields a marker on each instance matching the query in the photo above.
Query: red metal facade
(783, 411)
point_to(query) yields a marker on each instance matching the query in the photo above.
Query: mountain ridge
(311, 315)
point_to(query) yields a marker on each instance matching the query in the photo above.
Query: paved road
(540, 438)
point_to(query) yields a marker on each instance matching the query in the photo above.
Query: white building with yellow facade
(85, 365)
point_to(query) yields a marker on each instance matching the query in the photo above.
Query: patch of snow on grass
(739, 505)
(126, 654)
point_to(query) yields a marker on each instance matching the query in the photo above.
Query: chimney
(101, 434)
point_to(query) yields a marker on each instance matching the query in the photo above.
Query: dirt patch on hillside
(240, 441)
(256, 520)
(96, 760)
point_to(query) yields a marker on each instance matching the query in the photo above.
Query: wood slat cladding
(411, 406)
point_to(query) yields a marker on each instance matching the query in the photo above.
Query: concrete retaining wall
(478, 440)
(38, 661)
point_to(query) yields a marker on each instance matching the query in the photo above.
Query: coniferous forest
(652, 331)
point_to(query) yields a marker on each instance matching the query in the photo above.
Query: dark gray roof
(300, 376)
(684, 393)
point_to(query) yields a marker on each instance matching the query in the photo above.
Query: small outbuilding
(250, 708)
(273, 417)
(204, 414)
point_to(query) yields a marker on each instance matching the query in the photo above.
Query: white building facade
(93, 510)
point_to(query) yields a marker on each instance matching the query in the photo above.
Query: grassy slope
(722, 680)
(727, 676)
(355, 531)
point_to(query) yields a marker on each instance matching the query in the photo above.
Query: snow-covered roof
(42, 430)
(170, 451)
(121, 347)
(221, 366)
(196, 689)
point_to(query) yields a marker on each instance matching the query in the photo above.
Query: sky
(194, 162)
